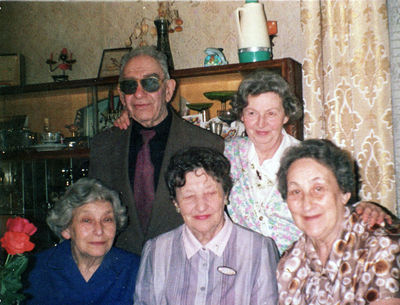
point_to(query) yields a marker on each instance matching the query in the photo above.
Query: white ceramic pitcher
(253, 39)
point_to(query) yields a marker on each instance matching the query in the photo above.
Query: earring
(177, 208)
(226, 201)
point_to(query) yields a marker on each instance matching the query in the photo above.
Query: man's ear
(170, 89)
(121, 97)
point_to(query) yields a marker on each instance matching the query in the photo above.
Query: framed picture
(110, 63)
(11, 70)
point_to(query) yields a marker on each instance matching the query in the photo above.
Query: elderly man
(133, 161)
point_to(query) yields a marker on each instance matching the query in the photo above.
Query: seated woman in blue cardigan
(85, 268)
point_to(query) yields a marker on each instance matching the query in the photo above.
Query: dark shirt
(157, 146)
(56, 279)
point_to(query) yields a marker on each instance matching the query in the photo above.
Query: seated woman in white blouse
(207, 260)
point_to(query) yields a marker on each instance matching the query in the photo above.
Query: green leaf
(10, 280)
(11, 298)
(17, 264)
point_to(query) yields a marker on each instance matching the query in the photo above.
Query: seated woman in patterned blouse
(207, 260)
(337, 259)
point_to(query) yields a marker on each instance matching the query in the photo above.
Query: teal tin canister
(254, 54)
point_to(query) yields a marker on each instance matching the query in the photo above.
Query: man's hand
(123, 121)
(372, 214)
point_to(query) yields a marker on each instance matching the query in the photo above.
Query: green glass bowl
(221, 96)
(199, 106)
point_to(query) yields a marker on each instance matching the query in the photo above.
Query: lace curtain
(347, 92)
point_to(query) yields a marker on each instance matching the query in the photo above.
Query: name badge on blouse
(226, 270)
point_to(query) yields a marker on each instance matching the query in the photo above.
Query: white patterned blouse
(255, 201)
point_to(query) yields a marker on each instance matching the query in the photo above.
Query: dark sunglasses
(149, 84)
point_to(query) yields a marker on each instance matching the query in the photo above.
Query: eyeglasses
(149, 84)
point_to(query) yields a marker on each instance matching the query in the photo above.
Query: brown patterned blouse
(363, 266)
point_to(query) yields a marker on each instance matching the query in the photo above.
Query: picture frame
(110, 63)
(11, 70)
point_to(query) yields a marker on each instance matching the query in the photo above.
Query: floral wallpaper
(37, 29)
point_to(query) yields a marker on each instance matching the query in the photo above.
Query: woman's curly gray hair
(85, 190)
(263, 81)
(325, 153)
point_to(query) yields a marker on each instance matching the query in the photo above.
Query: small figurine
(214, 57)
(66, 64)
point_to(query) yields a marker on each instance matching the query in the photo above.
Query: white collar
(253, 158)
(216, 245)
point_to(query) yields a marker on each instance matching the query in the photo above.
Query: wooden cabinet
(30, 181)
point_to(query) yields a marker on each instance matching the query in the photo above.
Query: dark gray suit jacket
(109, 157)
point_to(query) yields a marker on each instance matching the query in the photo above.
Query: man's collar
(161, 129)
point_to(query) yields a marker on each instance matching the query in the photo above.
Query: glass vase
(162, 26)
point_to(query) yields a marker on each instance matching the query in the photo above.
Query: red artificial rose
(22, 225)
(16, 243)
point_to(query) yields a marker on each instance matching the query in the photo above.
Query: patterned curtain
(347, 87)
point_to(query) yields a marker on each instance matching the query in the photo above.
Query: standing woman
(85, 268)
(264, 103)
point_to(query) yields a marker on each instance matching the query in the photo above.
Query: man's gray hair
(151, 51)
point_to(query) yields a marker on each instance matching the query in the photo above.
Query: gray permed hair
(263, 81)
(324, 152)
(85, 190)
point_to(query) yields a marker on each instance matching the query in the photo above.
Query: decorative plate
(221, 96)
(199, 106)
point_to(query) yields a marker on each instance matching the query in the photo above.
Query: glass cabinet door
(29, 188)
(11, 188)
